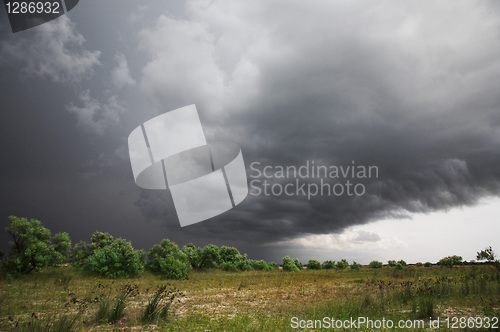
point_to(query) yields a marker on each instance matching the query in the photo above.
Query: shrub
(355, 266)
(427, 264)
(209, 257)
(166, 258)
(375, 264)
(419, 264)
(289, 265)
(273, 266)
(402, 262)
(193, 255)
(399, 266)
(342, 264)
(313, 265)
(391, 263)
(32, 247)
(260, 265)
(298, 264)
(228, 266)
(328, 265)
(450, 261)
(230, 255)
(114, 260)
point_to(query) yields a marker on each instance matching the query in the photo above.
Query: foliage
(355, 266)
(375, 264)
(32, 247)
(167, 259)
(402, 262)
(400, 266)
(450, 261)
(117, 259)
(313, 265)
(391, 263)
(486, 254)
(273, 266)
(427, 264)
(342, 264)
(289, 265)
(419, 264)
(327, 265)
(260, 265)
(209, 256)
(298, 264)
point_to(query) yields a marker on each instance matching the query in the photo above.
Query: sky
(409, 88)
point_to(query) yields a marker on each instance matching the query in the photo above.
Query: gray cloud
(54, 50)
(410, 87)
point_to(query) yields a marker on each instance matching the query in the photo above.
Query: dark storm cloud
(382, 86)
(408, 87)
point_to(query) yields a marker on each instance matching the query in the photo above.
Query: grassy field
(64, 299)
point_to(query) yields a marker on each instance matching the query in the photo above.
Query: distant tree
(81, 251)
(313, 265)
(61, 246)
(273, 266)
(391, 263)
(167, 259)
(427, 264)
(419, 264)
(355, 266)
(289, 265)
(399, 266)
(450, 261)
(298, 264)
(115, 259)
(193, 254)
(209, 256)
(486, 254)
(328, 265)
(375, 264)
(342, 264)
(402, 262)
(259, 265)
(32, 247)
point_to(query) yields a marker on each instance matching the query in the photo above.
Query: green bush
(260, 265)
(298, 264)
(450, 261)
(313, 265)
(355, 266)
(115, 260)
(419, 264)
(399, 266)
(375, 264)
(289, 265)
(391, 263)
(273, 266)
(228, 266)
(328, 265)
(32, 247)
(427, 264)
(402, 262)
(166, 258)
(342, 264)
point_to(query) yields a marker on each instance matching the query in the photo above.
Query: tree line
(32, 248)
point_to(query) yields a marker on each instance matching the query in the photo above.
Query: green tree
(450, 261)
(289, 265)
(193, 254)
(342, 264)
(115, 260)
(31, 248)
(355, 266)
(427, 264)
(391, 263)
(375, 264)
(61, 246)
(486, 254)
(167, 259)
(313, 265)
(328, 265)
(209, 256)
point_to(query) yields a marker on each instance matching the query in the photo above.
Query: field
(63, 298)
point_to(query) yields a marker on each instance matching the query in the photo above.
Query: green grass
(244, 301)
